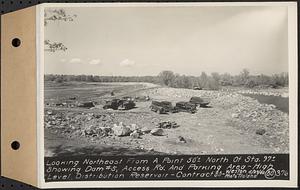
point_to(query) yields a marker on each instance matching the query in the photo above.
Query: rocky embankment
(282, 92)
(270, 125)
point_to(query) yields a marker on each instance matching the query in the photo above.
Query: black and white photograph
(166, 80)
(214, 80)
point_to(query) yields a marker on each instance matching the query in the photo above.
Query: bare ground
(229, 126)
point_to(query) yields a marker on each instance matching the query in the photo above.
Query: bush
(250, 83)
(280, 80)
(59, 80)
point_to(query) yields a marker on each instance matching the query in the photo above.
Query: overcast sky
(140, 41)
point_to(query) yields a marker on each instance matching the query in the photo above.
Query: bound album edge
(18, 96)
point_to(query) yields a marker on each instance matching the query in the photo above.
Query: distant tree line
(171, 79)
(95, 78)
(215, 80)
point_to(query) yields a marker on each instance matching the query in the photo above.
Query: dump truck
(89, 104)
(162, 107)
(185, 107)
(126, 105)
(119, 104)
(202, 102)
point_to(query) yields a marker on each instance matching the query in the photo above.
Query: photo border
(293, 104)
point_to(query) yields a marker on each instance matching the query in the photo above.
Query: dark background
(7, 6)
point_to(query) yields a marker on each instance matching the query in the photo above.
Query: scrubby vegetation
(171, 79)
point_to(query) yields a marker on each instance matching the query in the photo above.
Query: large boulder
(145, 130)
(121, 130)
(135, 134)
(180, 139)
(105, 131)
(134, 127)
(157, 132)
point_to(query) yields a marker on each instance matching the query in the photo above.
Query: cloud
(75, 60)
(127, 63)
(95, 62)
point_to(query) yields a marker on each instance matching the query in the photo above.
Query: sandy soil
(230, 126)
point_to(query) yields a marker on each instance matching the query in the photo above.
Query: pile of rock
(74, 124)
(55, 119)
(121, 130)
(264, 120)
(132, 130)
(253, 110)
(266, 92)
(136, 132)
(65, 104)
(167, 125)
(94, 131)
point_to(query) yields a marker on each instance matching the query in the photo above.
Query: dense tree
(167, 78)
(203, 80)
(216, 76)
(226, 79)
(281, 79)
(243, 78)
(187, 82)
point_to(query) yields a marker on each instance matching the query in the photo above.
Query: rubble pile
(267, 92)
(93, 125)
(97, 131)
(71, 103)
(263, 120)
(74, 124)
(248, 109)
(121, 130)
(136, 132)
(167, 125)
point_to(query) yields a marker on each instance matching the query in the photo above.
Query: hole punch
(15, 145)
(16, 42)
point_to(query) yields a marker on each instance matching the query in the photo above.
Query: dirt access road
(234, 124)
